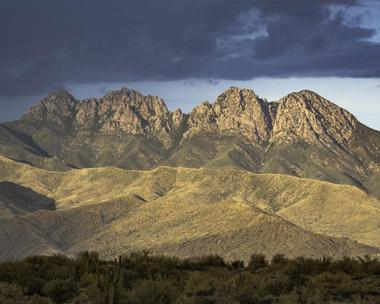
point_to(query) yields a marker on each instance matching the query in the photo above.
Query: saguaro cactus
(111, 279)
(239, 267)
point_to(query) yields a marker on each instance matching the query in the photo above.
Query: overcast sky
(189, 51)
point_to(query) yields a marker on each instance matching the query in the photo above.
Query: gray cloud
(46, 44)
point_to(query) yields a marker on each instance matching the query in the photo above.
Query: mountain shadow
(18, 199)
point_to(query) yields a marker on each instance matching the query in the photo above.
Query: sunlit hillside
(189, 212)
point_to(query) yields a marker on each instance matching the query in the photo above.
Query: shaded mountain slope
(19, 238)
(178, 210)
(17, 199)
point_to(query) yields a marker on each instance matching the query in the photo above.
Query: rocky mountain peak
(60, 95)
(300, 116)
(130, 112)
(308, 117)
(237, 98)
(122, 111)
(57, 107)
(235, 111)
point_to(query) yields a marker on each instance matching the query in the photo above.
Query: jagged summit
(57, 107)
(127, 94)
(299, 116)
(307, 116)
(234, 111)
(122, 111)
(60, 94)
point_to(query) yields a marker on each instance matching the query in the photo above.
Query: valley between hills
(299, 176)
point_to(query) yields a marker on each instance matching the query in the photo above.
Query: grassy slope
(184, 211)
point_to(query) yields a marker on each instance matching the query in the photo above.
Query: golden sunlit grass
(180, 205)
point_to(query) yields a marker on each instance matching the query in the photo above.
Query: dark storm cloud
(45, 44)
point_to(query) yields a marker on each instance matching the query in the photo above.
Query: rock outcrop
(306, 116)
(57, 108)
(303, 116)
(299, 117)
(236, 111)
(124, 111)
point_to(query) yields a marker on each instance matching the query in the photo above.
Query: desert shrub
(247, 294)
(153, 292)
(138, 257)
(86, 261)
(279, 261)
(143, 265)
(36, 299)
(162, 267)
(308, 266)
(237, 265)
(295, 273)
(161, 279)
(374, 268)
(300, 268)
(13, 294)
(274, 285)
(200, 284)
(369, 265)
(14, 272)
(338, 286)
(257, 261)
(347, 265)
(34, 286)
(10, 293)
(86, 280)
(205, 262)
(60, 290)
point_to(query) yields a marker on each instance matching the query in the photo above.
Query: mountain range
(298, 176)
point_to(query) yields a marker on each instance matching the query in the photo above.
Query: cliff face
(299, 117)
(236, 111)
(306, 116)
(57, 108)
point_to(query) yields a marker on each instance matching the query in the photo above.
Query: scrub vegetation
(145, 278)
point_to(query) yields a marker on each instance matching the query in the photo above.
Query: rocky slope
(302, 134)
